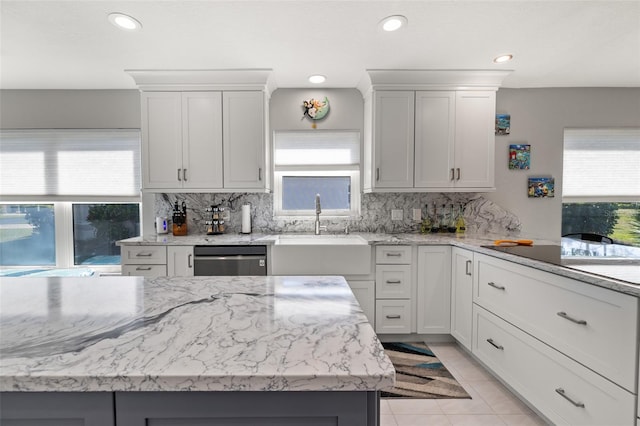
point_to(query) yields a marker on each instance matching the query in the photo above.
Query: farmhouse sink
(320, 255)
(326, 239)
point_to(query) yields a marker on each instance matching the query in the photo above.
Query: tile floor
(491, 403)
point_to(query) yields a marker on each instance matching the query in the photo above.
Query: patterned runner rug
(419, 374)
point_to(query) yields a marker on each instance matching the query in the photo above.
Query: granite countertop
(619, 277)
(187, 334)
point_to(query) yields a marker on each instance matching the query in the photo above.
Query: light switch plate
(396, 214)
(417, 215)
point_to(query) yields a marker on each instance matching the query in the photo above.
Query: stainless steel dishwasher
(229, 260)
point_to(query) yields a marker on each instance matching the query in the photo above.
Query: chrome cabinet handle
(377, 174)
(466, 267)
(567, 317)
(561, 392)
(184, 174)
(394, 254)
(394, 282)
(494, 285)
(179, 175)
(393, 316)
(144, 254)
(189, 261)
(260, 173)
(140, 268)
(452, 174)
(458, 172)
(495, 345)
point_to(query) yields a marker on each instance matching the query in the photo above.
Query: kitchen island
(259, 350)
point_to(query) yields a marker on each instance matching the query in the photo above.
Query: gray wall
(538, 118)
(69, 109)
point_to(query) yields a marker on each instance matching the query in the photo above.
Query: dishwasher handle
(232, 257)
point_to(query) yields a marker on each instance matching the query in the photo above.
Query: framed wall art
(519, 157)
(503, 124)
(541, 187)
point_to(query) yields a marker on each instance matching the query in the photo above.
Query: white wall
(538, 118)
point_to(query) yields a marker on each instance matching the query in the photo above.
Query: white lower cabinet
(433, 302)
(462, 295)
(180, 261)
(145, 261)
(394, 290)
(563, 390)
(365, 294)
(393, 316)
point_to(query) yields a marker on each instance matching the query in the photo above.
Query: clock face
(316, 109)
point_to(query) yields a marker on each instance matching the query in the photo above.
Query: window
(601, 183)
(319, 162)
(67, 196)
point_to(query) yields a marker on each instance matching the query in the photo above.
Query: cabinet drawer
(595, 326)
(393, 316)
(145, 270)
(393, 255)
(143, 255)
(563, 390)
(393, 281)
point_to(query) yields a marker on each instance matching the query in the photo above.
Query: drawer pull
(140, 268)
(394, 282)
(494, 285)
(567, 317)
(561, 392)
(495, 345)
(467, 269)
(393, 316)
(394, 254)
(144, 254)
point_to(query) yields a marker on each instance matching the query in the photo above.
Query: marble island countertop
(187, 334)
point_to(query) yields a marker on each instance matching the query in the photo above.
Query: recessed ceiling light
(502, 58)
(317, 79)
(124, 22)
(393, 23)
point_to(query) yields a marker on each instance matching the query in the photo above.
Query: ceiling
(71, 45)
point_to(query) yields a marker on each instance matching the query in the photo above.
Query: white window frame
(352, 171)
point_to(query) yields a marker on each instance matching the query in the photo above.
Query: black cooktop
(544, 253)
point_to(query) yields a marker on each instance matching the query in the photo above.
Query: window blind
(317, 148)
(602, 164)
(69, 164)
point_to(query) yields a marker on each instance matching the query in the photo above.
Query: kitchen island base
(306, 408)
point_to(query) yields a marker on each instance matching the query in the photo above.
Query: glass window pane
(27, 235)
(97, 227)
(299, 192)
(618, 221)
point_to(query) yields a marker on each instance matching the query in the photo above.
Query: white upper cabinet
(437, 136)
(434, 138)
(475, 139)
(393, 134)
(204, 130)
(244, 140)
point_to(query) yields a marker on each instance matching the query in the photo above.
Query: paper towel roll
(246, 219)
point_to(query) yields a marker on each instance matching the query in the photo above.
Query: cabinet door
(475, 139)
(434, 139)
(433, 308)
(180, 261)
(202, 140)
(461, 295)
(244, 140)
(161, 140)
(393, 139)
(364, 291)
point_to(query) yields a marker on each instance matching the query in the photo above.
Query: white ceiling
(71, 44)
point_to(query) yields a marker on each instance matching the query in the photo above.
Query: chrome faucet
(318, 211)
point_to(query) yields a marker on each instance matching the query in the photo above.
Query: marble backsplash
(480, 214)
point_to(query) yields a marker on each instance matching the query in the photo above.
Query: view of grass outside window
(618, 221)
(27, 235)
